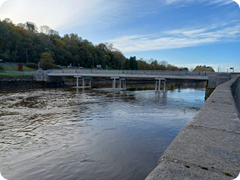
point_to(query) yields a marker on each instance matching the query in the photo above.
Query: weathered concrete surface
(236, 92)
(208, 147)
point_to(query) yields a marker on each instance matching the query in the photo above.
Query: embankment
(208, 146)
(25, 82)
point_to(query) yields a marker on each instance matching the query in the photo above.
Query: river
(54, 134)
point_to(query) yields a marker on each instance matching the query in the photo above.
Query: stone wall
(208, 146)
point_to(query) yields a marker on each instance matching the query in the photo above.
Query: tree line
(26, 43)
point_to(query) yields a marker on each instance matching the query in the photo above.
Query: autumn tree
(22, 42)
(203, 68)
(46, 61)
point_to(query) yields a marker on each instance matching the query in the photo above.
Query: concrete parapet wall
(236, 92)
(208, 146)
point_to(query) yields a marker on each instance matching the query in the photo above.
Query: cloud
(222, 2)
(178, 38)
(59, 13)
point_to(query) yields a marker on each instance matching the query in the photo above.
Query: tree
(133, 63)
(31, 27)
(22, 42)
(46, 61)
(203, 68)
(183, 69)
(44, 29)
(126, 65)
(143, 65)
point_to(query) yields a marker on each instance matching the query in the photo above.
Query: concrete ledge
(208, 147)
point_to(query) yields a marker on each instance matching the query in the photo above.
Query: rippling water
(61, 134)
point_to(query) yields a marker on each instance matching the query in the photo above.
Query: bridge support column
(89, 82)
(114, 82)
(165, 86)
(83, 82)
(77, 80)
(158, 85)
(122, 84)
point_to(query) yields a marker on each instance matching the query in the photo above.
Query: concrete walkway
(208, 147)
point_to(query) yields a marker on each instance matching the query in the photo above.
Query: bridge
(119, 77)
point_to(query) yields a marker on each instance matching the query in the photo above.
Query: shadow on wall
(236, 92)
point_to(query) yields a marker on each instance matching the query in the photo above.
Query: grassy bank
(11, 76)
(15, 68)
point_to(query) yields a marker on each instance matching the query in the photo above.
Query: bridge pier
(77, 81)
(83, 82)
(121, 83)
(158, 85)
(114, 82)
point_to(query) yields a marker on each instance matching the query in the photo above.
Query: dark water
(60, 134)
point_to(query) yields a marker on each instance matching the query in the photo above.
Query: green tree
(133, 63)
(126, 65)
(46, 61)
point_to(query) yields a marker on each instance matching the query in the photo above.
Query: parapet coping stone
(208, 146)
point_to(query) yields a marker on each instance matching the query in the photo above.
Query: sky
(185, 33)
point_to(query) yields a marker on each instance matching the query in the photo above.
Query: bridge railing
(131, 72)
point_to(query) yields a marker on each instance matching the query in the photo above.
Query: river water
(93, 134)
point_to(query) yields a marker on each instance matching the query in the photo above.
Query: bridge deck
(177, 75)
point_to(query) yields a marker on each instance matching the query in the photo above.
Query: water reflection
(89, 134)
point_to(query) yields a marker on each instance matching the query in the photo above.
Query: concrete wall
(236, 92)
(216, 79)
(208, 147)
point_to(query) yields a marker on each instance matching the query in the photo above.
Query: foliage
(26, 43)
(155, 65)
(131, 64)
(1, 68)
(31, 65)
(184, 69)
(57, 67)
(204, 68)
(46, 58)
(23, 43)
(46, 65)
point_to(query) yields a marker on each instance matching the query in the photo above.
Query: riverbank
(208, 146)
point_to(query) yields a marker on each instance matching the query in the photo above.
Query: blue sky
(181, 32)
